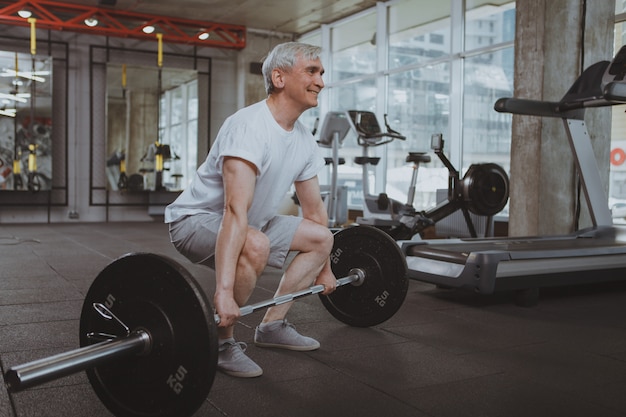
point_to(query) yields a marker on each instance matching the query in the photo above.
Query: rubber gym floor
(445, 353)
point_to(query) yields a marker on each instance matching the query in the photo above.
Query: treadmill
(525, 264)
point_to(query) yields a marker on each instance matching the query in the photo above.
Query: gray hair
(284, 56)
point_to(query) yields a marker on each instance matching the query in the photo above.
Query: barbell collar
(47, 369)
(356, 277)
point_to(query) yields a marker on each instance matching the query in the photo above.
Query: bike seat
(418, 157)
(330, 161)
(362, 160)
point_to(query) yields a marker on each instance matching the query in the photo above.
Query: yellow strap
(32, 162)
(160, 50)
(33, 36)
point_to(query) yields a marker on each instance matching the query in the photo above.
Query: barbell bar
(47, 369)
(159, 353)
(356, 278)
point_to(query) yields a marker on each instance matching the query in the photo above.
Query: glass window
(419, 85)
(192, 100)
(354, 96)
(179, 129)
(488, 22)
(418, 32)
(418, 106)
(176, 106)
(354, 48)
(487, 133)
(192, 151)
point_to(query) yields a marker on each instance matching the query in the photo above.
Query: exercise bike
(383, 210)
(334, 130)
(483, 190)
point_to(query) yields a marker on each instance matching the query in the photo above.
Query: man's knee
(256, 249)
(323, 238)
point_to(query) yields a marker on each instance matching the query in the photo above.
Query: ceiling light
(7, 112)
(13, 97)
(203, 36)
(24, 13)
(148, 29)
(35, 76)
(91, 22)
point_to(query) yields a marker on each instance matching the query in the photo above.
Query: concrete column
(555, 40)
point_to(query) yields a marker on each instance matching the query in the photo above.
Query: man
(228, 214)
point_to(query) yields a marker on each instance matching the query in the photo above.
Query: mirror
(25, 122)
(152, 128)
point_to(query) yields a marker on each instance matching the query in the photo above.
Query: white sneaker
(282, 334)
(232, 360)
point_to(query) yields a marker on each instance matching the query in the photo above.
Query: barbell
(148, 333)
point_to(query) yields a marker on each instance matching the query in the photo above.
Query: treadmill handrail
(587, 91)
(527, 107)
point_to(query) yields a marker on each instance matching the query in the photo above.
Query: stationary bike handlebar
(372, 139)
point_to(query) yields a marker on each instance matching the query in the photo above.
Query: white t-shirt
(281, 157)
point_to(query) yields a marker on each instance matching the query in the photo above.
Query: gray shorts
(195, 237)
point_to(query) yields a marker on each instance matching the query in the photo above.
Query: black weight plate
(156, 294)
(386, 282)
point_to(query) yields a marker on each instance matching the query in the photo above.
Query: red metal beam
(65, 16)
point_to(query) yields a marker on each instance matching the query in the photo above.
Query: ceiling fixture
(148, 29)
(91, 22)
(35, 76)
(24, 13)
(203, 36)
(8, 112)
(13, 97)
